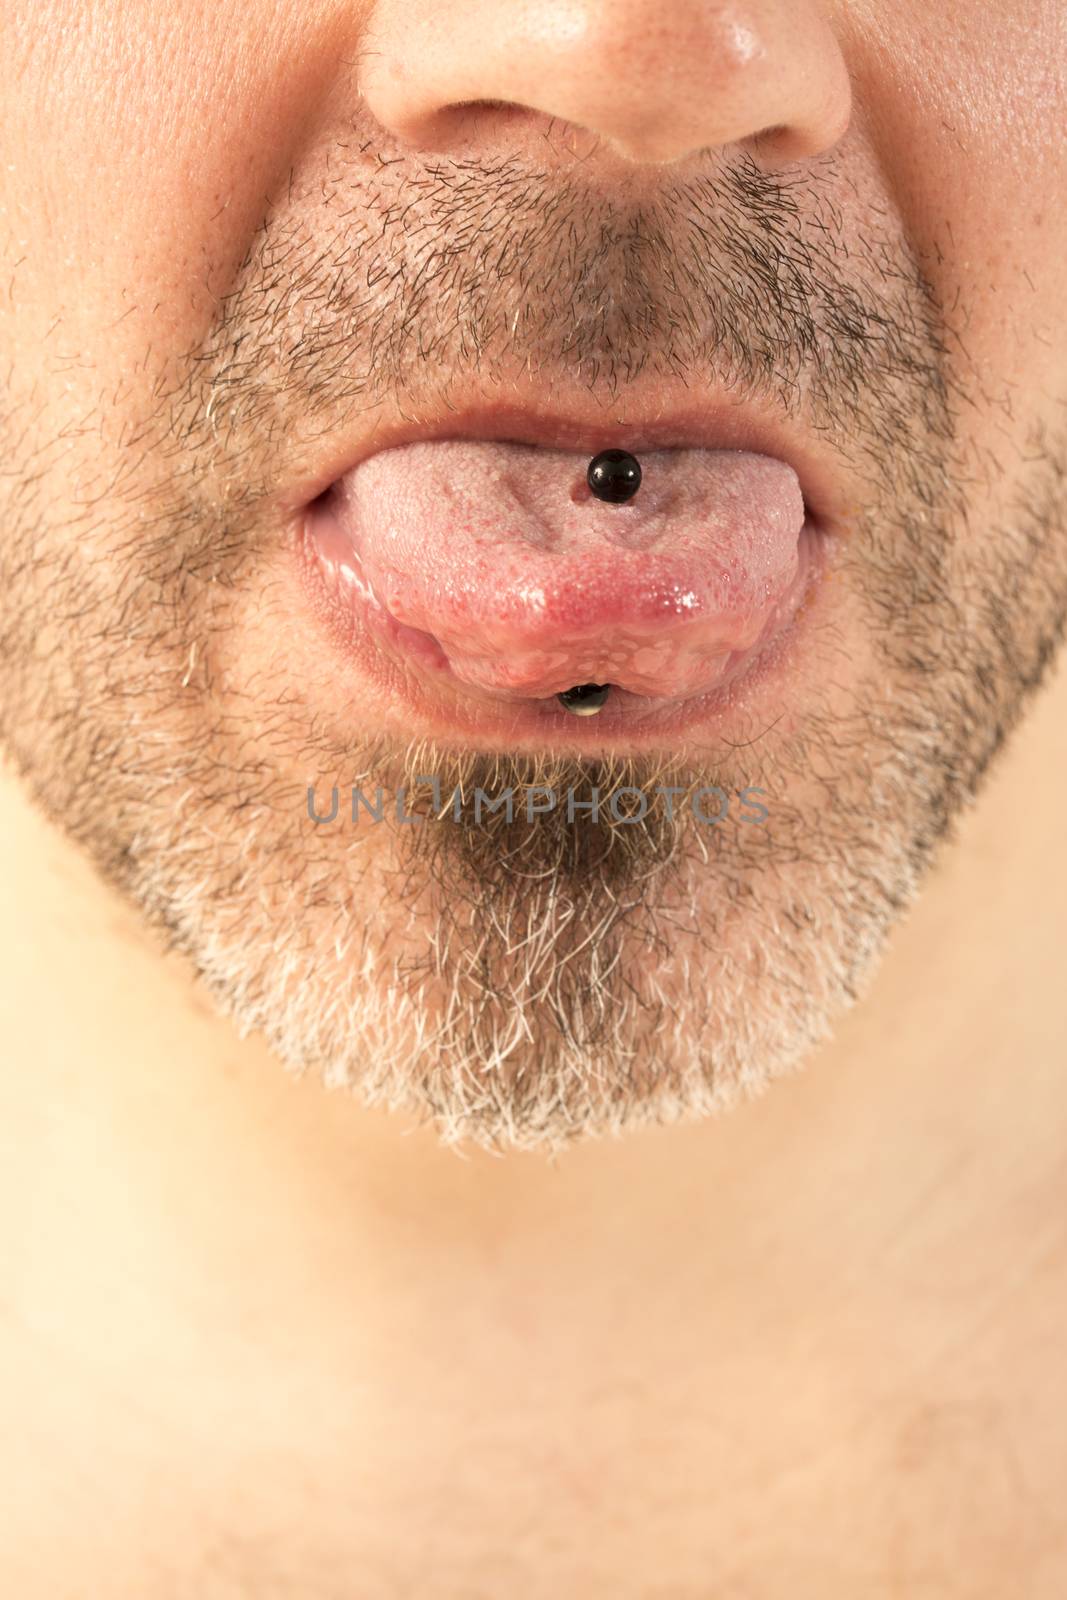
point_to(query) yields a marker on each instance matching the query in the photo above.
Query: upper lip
(714, 422)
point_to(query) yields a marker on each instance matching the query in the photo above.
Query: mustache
(742, 279)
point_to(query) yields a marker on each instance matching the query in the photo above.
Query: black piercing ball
(584, 698)
(614, 475)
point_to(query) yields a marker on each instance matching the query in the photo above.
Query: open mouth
(511, 585)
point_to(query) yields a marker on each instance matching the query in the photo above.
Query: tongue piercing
(614, 475)
(584, 699)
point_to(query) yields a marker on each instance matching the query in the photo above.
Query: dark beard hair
(492, 885)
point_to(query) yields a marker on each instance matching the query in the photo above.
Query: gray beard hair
(522, 985)
(526, 985)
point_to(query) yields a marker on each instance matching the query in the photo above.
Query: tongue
(529, 584)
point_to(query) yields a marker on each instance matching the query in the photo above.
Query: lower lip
(410, 670)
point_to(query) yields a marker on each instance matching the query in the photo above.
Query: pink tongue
(530, 584)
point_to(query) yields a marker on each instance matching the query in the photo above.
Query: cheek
(141, 153)
(1002, 92)
(961, 104)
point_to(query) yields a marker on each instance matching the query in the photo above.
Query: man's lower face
(814, 596)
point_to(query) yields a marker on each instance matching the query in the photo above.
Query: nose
(656, 80)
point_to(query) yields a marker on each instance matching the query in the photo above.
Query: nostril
(486, 105)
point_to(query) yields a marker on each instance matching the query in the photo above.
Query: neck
(201, 1206)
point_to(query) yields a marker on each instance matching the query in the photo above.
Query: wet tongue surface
(530, 584)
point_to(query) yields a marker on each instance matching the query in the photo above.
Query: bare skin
(261, 1339)
(255, 1341)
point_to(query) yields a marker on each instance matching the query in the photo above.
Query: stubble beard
(526, 984)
